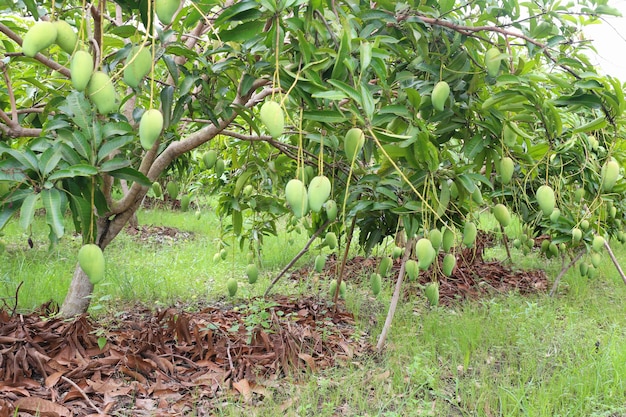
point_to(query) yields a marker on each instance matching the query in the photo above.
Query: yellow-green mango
(320, 262)
(40, 36)
(91, 261)
(598, 243)
(432, 293)
(184, 202)
(252, 272)
(375, 282)
(138, 65)
(296, 195)
(81, 68)
(447, 240)
(440, 95)
(384, 266)
(425, 253)
(272, 116)
(150, 128)
(492, 61)
(436, 237)
(219, 167)
(66, 37)
(412, 269)
(469, 234)
(353, 143)
(102, 92)
(209, 159)
(507, 167)
(397, 252)
(172, 190)
(449, 262)
(231, 285)
(577, 235)
(157, 190)
(330, 240)
(166, 9)
(318, 192)
(610, 173)
(330, 207)
(501, 213)
(545, 199)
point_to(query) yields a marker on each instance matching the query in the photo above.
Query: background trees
(514, 86)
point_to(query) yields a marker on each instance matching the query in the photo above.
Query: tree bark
(79, 295)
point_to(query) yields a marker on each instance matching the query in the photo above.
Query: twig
(564, 270)
(396, 295)
(614, 259)
(295, 258)
(72, 383)
(17, 291)
(506, 242)
(343, 261)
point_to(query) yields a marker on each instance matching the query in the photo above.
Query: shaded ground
(180, 362)
(172, 362)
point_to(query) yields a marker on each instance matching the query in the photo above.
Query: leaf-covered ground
(186, 359)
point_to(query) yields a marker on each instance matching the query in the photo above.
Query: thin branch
(615, 262)
(396, 295)
(298, 256)
(83, 393)
(564, 270)
(7, 80)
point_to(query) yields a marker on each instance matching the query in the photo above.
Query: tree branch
(39, 57)
(178, 148)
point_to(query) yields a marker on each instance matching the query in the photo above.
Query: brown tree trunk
(79, 295)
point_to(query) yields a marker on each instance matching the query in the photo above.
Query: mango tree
(419, 115)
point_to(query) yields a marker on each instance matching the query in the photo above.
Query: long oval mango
(610, 173)
(440, 95)
(40, 36)
(545, 199)
(81, 68)
(91, 261)
(353, 143)
(66, 37)
(318, 192)
(102, 92)
(296, 195)
(273, 118)
(150, 128)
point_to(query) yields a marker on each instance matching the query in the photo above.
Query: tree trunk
(79, 295)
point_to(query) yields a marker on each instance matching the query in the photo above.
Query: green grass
(508, 355)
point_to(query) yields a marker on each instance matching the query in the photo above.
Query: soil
(193, 359)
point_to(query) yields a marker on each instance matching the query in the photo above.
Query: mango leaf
(53, 202)
(167, 99)
(6, 212)
(79, 109)
(80, 170)
(83, 216)
(111, 145)
(131, 174)
(114, 164)
(81, 144)
(27, 211)
(49, 160)
(27, 158)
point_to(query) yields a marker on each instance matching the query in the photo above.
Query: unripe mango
(166, 9)
(232, 285)
(412, 269)
(331, 210)
(223, 254)
(556, 214)
(219, 167)
(333, 288)
(375, 282)
(501, 213)
(596, 259)
(66, 37)
(91, 261)
(138, 65)
(448, 239)
(545, 199)
(296, 195)
(577, 235)
(425, 253)
(492, 61)
(320, 262)
(184, 202)
(353, 143)
(318, 192)
(150, 128)
(40, 36)
(591, 271)
(507, 167)
(432, 293)
(440, 95)
(435, 236)
(584, 224)
(598, 243)
(584, 268)
(469, 234)
(330, 240)
(172, 189)
(449, 262)
(397, 252)
(252, 272)
(81, 68)
(273, 118)
(508, 135)
(209, 159)
(102, 92)
(385, 266)
(157, 190)
(610, 173)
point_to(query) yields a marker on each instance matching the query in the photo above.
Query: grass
(505, 356)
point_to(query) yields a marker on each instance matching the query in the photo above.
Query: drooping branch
(178, 148)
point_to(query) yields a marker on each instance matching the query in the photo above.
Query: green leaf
(49, 160)
(351, 92)
(243, 32)
(131, 174)
(6, 212)
(367, 102)
(340, 70)
(79, 109)
(27, 211)
(26, 157)
(80, 170)
(52, 202)
(596, 124)
(111, 145)
(326, 116)
(167, 99)
(81, 144)
(330, 95)
(114, 164)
